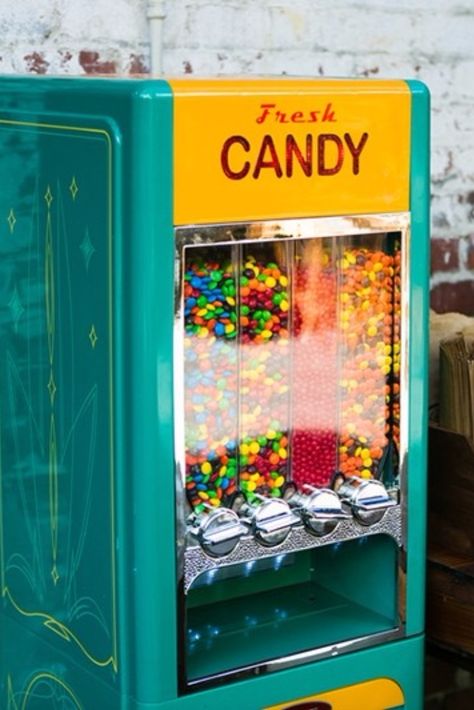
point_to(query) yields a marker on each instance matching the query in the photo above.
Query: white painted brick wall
(429, 39)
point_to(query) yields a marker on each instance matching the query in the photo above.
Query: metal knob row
(271, 519)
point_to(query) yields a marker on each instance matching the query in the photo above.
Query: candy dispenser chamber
(290, 381)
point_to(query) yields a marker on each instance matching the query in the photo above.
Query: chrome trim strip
(196, 561)
(297, 659)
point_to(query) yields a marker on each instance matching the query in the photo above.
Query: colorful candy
(288, 371)
(264, 377)
(314, 442)
(210, 381)
(366, 320)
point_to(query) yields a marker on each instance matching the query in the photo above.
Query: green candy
(243, 460)
(245, 310)
(262, 440)
(202, 301)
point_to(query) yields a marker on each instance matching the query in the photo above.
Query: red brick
(91, 63)
(470, 253)
(444, 255)
(137, 64)
(459, 297)
(36, 63)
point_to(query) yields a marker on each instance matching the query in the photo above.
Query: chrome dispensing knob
(270, 519)
(321, 509)
(218, 531)
(368, 499)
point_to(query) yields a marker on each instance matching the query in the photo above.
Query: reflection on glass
(291, 364)
(210, 377)
(264, 373)
(366, 300)
(314, 382)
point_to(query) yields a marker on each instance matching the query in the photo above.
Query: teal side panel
(418, 365)
(58, 559)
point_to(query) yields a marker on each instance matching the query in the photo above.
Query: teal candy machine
(213, 350)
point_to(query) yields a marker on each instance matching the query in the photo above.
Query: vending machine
(213, 367)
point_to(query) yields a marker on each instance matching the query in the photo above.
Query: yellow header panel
(257, 149)
(371, 695)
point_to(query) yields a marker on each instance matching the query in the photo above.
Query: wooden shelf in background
(450, 563)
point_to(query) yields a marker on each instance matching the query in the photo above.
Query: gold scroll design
(48, 678)
(49, 621)
(50, 329)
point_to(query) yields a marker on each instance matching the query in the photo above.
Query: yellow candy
(365, 473)
(203, 495)
(251, 486)
(230, 300)
(203, 333)
(270, 282)
(283, 281)
(244, 449)
(283, 453)
(270, 434)
(267, 334)
(284, 306)
(371, 331)
(229, 328)
(279, 481)
(206, 467)
(254, 447)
